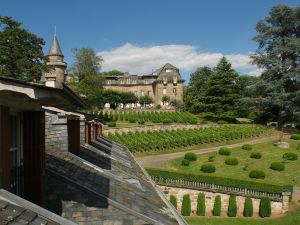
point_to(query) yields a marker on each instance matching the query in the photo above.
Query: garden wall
(278, 208)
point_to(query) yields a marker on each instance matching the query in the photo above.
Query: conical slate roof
(55, 48)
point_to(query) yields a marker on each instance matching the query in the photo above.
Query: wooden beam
(5, 139)
(87, 132)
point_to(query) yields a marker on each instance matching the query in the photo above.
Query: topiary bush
(232, 207)
(255, 155)
(247, 147)
(279, 166)
(190, 156)
(224, 151)
(248, 207)
(290, 156)
(217, 206)
(173, 201)
(295, 136)
(231, 161)
(111, 124)
(186, 205)
(185, 162)
(257, 174)
(201, 204)
(265, 207)
(208, 168)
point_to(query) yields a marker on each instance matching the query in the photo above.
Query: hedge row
(148, 116)
(170, 139)
(222, 181)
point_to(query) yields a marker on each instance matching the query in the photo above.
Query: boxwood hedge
(290, 156)
(232, 161)
(222, 181)
(279, 166)
(224, 151)
(295, 136)
(208, 168)
(190, 156)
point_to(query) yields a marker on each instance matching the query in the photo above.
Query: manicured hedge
(290, 156)
(190, 156)
(247, 147)
(255, 155)
(295, 136)
(265, 207)
(111, 124)
(248, 207)
(257, 174)
(173, 201)
(222, 181)
(224, 151)
(217, 206)
(185, 162)
(279, 166)
(208, 168)
(232, 161)
(201, 207)
(232, 207)
(186, 205)
(141, 141)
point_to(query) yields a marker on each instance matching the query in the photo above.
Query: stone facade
(165, 81)
(56, 134)
(278, 208)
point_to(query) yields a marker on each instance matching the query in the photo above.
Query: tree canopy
(278, 55)
(21, 52)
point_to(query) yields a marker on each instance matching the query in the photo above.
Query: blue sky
(141, 35)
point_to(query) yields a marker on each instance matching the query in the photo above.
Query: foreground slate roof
(122, 190)
(17, 211)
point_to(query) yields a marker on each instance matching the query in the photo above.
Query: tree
(165, 99)
(173, 201)
(112, 73)
(217, 206)
(127, 97)
(145, 100)
(278, 55)
(186, 205)
(85, 76)
(265, 207)
(248, 207)
(232, 207)
(21, 52)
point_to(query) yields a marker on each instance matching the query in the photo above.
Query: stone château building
(165, 81)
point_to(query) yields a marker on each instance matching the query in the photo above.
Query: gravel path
(160, 161)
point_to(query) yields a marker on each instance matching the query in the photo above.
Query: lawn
(270, 153)
(292, 218)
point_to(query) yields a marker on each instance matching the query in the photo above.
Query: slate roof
(110, 171)
(17, 211)
(55, 48)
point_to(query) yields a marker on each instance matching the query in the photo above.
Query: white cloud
(142, 60)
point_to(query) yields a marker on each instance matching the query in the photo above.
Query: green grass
(292, 218)
(270, 153)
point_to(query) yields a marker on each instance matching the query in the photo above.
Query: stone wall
(82, 132)
(155, 127)
(169, 92)
(278, 208)
(56, 132)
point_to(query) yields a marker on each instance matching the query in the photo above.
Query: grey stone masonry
(56, 132)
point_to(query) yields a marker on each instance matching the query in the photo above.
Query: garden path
(160, 161)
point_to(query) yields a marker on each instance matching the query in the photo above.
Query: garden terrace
(181, 138)
(218, 184)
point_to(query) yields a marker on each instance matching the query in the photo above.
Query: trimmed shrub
(186, 205)
(167, 121)
(111, 124)
(190, 156)
(265, 207)
(185, 162)
(257, 174)
(248, 207)
(201, 204)
(231, 161)
(232, 207)
(247, 147)
(208, 168)
(224, 151)
(290, 156)
(217, 206)
(173, 201)
(279, 166)
(255, 155)
(295, 136)
(131, 120)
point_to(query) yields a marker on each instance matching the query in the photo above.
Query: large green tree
(21, 54)
(278, 54)
(86, 79)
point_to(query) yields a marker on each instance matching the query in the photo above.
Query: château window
(165, 91)
(174, 91)
(168, 70)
